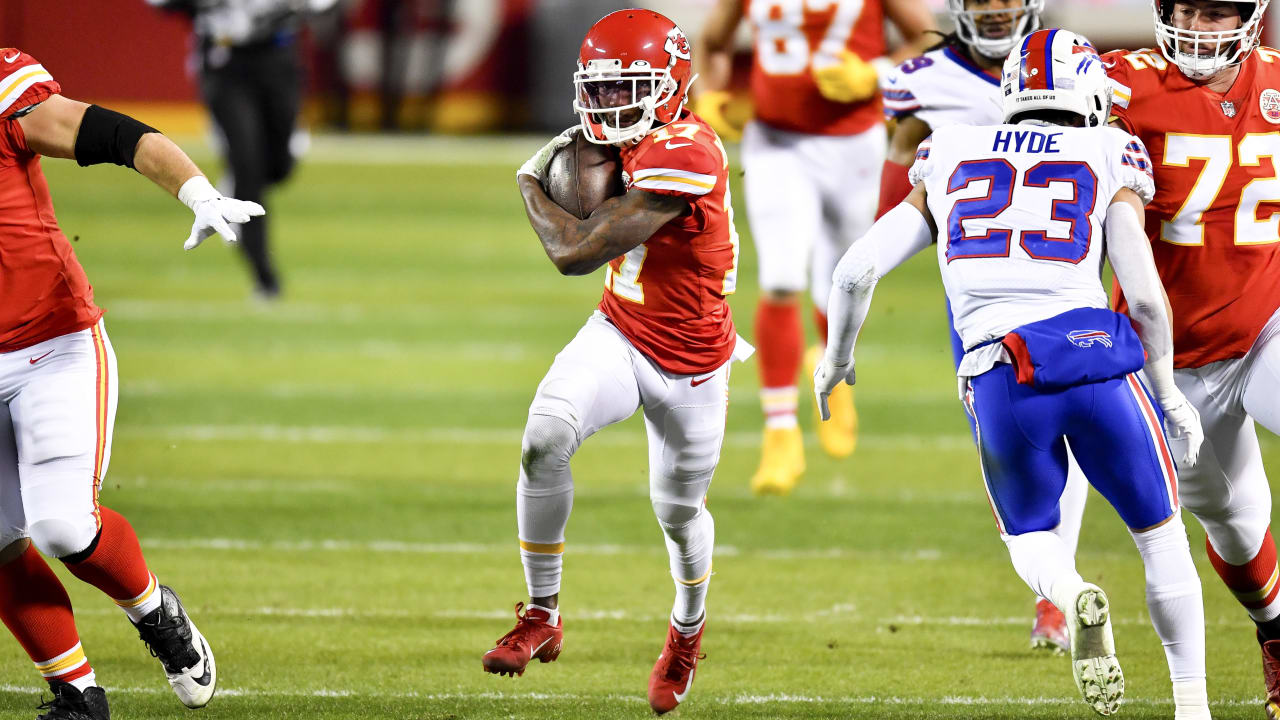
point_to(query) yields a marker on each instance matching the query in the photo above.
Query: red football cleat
(1271, 675)
(673, 673)
(1050, 629)
(531, 638)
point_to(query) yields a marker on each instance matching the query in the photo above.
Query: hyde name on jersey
(997, 207)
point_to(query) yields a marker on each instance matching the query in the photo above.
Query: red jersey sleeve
(1121, 87)
(678, 166)
(23, 82)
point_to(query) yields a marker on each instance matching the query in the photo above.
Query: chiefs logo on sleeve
(23, 81)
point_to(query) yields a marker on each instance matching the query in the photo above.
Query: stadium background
(328, 480)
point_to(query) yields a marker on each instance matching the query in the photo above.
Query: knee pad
(548, 444)
(63, 537)
(675, 517)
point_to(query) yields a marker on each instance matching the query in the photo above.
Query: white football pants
(57, 411)
(808, 198)
(600, 379)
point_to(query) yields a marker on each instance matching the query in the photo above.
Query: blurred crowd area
(412, 65)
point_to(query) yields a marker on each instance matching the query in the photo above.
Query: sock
(36, 609)
(553, 614)
(1043, 562)
(116, 567)
(544, 498)
(780, 341)
(1254, 584)
(1173, 598)
(1190, 700)
(689, 548)
(820, 320)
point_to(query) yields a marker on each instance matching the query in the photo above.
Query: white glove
(1183, 424)
(826, 377)
(536, 166)
(214, 213)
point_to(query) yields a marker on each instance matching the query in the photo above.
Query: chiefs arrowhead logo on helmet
(677, 43)
(633, 76)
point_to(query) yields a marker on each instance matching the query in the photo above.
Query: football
(582, 175)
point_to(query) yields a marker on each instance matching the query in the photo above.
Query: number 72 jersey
(1019, 211)
(1215, 222)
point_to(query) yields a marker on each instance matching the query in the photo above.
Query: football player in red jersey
(660, 340)
(1207, 106)
(58, 396)
(812, 160)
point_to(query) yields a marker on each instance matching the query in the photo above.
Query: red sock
(780, 340)
(36, 609)
(820, 319)
(116, 566)
(1255, 583)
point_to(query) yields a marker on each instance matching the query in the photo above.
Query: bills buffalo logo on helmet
(677, 43)
(1087, 338)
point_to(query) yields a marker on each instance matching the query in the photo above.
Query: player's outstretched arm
(1130, 256)
(902, 232)
(578, 247)
(64, 128)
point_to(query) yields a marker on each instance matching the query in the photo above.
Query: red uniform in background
(667, 296)
(789, 37)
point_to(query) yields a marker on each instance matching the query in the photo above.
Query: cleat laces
(169, 640)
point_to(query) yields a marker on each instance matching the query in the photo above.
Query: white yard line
(844, 612)
(457, 548)
(357, 434)
(738, 699)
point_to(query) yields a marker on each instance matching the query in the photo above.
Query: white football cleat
(181, 649)
(1093, 651)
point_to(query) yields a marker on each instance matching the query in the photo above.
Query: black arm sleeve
(107, 136)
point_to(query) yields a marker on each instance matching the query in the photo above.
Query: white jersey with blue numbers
(1019, 211)
(942, 87)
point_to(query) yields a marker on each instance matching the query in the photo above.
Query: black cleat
(182, 650)
(69, 703)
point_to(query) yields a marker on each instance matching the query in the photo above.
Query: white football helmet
(1026, 21)
(1056, 69)
(1209, 52)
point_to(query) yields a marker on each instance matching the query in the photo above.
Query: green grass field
(329, 483)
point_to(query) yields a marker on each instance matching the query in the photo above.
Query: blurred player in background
(251, 80)
(810, 157)
(958, 83)
(1020, 212)
(661, 339)
(1207, 105)
(58, 388)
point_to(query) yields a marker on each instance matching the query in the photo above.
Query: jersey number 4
(1002, 184)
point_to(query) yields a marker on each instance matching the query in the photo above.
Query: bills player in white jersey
(958, 83)
(1019, 210)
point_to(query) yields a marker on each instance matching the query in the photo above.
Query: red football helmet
(633, 76)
